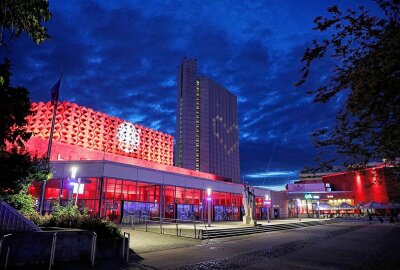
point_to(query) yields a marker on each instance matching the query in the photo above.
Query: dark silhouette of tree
(23, 16)
(17, 167)
(14, 108)
(366, 52)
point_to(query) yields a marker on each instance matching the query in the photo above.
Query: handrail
(2, 241)
(8, 248)
(12, 220)
(160, 221)
(93, 253)
(53, 250)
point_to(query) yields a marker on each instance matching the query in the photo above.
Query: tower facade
(206, 125)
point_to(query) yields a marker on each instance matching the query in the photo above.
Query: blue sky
(121, 58)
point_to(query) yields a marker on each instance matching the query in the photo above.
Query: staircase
(13, 221)
(261, 229)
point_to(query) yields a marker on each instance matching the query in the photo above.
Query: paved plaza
(342, 245)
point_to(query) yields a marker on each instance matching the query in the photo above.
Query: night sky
(122, 59)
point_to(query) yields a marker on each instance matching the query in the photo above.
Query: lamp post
(209, 206)
(299, 208)
(267, 203)
(73, 176)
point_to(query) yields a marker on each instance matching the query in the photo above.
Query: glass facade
(125, 200)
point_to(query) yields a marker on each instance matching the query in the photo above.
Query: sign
(310, 197)
(128, 137)
(267, 202)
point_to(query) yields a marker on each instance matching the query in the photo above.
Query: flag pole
(54, 94)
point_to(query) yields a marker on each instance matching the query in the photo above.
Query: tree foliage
(18, 16)
(18, 169)
(366, 52)
(15, 106)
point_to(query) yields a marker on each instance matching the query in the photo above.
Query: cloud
(121, 58)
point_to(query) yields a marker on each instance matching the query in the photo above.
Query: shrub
(21, 201)
(69, 216)
(40, 220)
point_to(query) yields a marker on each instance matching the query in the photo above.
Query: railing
(8, 249)
(13, 221)
(93, 252)
(166, 224)
(53, 251)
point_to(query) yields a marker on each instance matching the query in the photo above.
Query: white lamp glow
(73, 172)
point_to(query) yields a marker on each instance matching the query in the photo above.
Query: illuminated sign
(128, 137)
(76, 186)
(309, 196)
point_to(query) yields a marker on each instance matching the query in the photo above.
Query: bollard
(127, 247)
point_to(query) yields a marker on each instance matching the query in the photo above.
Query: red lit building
(124, 170)
(379, 184)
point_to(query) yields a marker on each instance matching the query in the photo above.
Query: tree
(24, 16)
(17, 167)
(15, 106)
(366, 50)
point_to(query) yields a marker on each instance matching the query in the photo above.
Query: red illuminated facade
(379, 184)
(80, 126)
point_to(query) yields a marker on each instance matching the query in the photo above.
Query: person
(392, 219)
(370, 218)
(380, 219)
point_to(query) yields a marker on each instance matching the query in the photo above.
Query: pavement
(343, 245)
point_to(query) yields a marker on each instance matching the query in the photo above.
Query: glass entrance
(138, 212)
(187, 212)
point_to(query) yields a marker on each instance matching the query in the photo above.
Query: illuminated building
(378, 184)
(206, 125)
(124, 170)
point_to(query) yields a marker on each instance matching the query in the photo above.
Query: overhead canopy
(375, 205)
(345, 205)
(394, 205)
(325, 206)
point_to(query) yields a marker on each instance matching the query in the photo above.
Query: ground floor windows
(123, 200)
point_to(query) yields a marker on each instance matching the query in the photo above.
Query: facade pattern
(81, 126)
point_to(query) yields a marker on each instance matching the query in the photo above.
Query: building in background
(206, 125)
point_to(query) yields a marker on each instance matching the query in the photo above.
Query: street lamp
(267, 203)
(73, 176)
(299, 208)
(209, 206)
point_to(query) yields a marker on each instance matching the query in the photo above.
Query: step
(260, 229)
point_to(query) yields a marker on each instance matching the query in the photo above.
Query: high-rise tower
(206, 125)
